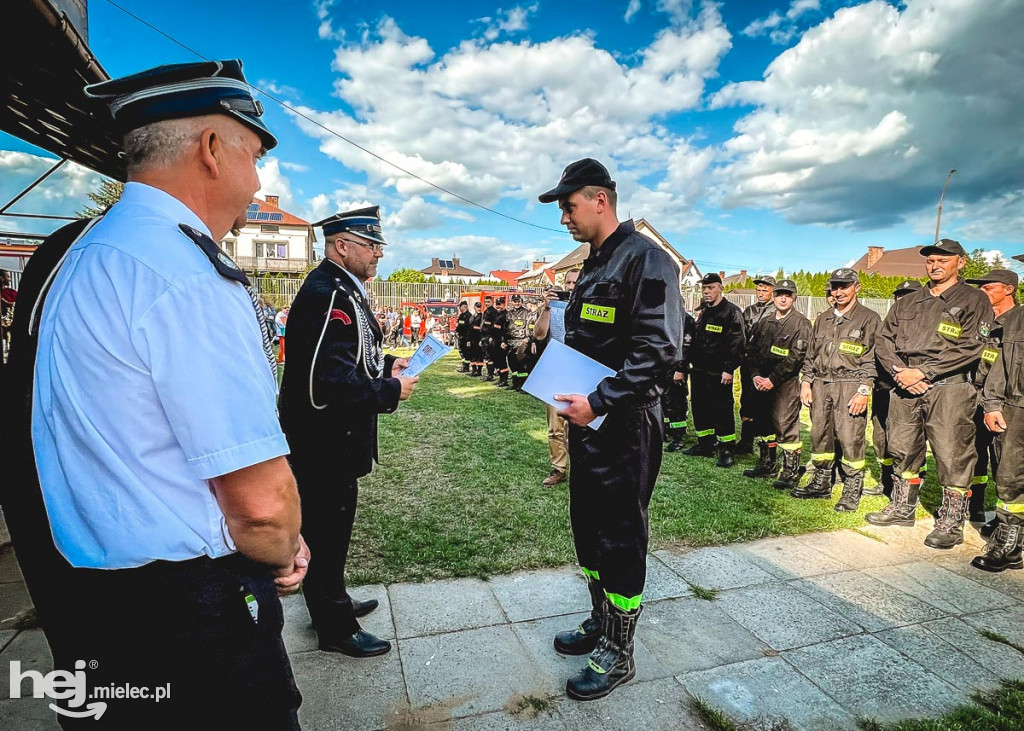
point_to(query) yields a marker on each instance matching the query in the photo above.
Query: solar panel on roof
(446, 263)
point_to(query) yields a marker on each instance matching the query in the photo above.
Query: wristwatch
(863, 390)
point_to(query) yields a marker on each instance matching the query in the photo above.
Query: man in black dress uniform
(463, 328)
(336, 383)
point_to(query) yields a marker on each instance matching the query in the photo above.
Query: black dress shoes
(361, 609)
(361, 644)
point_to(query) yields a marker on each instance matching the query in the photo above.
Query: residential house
(446, 271)
(895, 263)
(507, 275)
(539, 276)
(272, 241)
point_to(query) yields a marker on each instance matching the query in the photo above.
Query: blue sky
(753, 135)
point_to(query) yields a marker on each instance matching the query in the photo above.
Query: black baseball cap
(1003, 276)
(844, 275)
(766, 279)
(908, 286)
(576, 175)
(944, 247)
(476, 304)
(785, 285)
(711, 278)
(499, 301)
(516, 298)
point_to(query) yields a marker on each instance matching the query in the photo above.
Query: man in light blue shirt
(157, 446)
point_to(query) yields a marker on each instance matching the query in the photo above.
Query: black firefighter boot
(705, 447)
(949, 524)
(583, 639)
(766, 460)
(976, 505)
(725, 458)
(820, 485)
(884, 484)
(1004, 550)
(465, 367)
(611, 663)
(676, 435)
(490, 372)
(746, 443)
(789, 475)
(474, 370)
(902, 505)
(853, 488)
(502, 379)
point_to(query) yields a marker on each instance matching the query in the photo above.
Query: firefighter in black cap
(499, 341)
(476, 352)
(715, 354)
(463, 328)
(750, 398)
(519, 320)
(673, 400)
(1000, 286)
(930, 344)
(486, 335)
(336, 383)
(776, 354)
(838, 375)
(625, 313)
(1003, 400)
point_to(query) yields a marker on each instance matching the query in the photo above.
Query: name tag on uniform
(990, 355)
(852, 348)
(598, 313)
(518, 323)
(776, 350)
(949, 330)
(713, 328)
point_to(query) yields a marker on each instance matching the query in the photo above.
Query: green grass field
(458, 492)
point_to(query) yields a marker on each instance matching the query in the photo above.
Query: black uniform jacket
(331, 394)
(992, 352)
(938, 335)
(486, 321)
(464, 325)
(626, 312)
(474, 327)
(689, 331)
(754, 313)
(499, 327)
(720, 341)
(843, 348)
(1005, 383)
(778, 347)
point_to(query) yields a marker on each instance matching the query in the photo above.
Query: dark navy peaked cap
(183, 90)
(362, 222)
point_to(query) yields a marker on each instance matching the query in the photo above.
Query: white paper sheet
(429, 351)
(565, 371)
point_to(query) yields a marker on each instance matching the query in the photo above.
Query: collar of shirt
(350, 276)
(610, 244)
(147, 196)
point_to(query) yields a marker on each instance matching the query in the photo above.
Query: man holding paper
(626, 313)
(337, 381)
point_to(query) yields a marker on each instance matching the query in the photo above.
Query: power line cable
(340, 136)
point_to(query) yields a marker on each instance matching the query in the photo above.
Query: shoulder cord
(363, 334)
(32, 320)
(316, 351)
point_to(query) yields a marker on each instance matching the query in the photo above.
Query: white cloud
(782, 28)
(632, 9)
(858, 123)
(507, 22)
(274, 182)
(295, 167)
(482, 253)
(64, 193)
(326, 28)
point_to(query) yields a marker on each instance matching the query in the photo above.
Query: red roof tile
(506, 275)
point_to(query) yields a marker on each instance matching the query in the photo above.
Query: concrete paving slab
(6, 636)
(663, 582)
(31, 649)
(871, 679)
(715, 568)
(14, 600)
(923, 647)
(1010, 583)
(28, 713)
(10, 572)
(379, 621)
(342, 693)
(999, 659)
(786, 558)
(910, 541)
(950, 592)
(784, 618)
(537, 636)
(545, 593)
(544, 720)
(872, 604)
(693, 634)
(1007, 622)
(470, 672)
(851, 547)
(658, 705)
(768, 693)
(443, 606)
(298, 631)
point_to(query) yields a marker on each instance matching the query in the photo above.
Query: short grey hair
(162, 144)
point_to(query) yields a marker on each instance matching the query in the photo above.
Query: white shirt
(150, 379)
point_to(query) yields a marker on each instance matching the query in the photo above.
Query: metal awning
(41, 82)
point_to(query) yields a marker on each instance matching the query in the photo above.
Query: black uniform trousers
(674, 405)
(712, 403)
(474, 352)
(759, 412)
(497, 355)
(831, 422)
(186, 624)
(518, 355)
(984, 448)
(1009, 454)
(614, 469)
(880, 398)
(464, 348)
(784, 406)
(749, 401)
(328, 513)
(942, 417)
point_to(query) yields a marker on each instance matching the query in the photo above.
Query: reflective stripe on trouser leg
(626, 604)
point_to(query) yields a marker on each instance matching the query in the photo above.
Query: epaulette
(223, 263)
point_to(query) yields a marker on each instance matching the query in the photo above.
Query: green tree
(407, 275)
(109, 193)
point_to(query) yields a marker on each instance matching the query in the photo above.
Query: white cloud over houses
(482, 253)
(859, 122)
(64, 193)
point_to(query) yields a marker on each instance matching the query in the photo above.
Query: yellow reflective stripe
(626, 604)
(791, 446)
(822, 456)
(767, 438)
(887, 461)
(1015, 508)
(705, 433)
(979, 480)
(713, 328)
(856, 464)
(950, 330)
(959, 490)
(728, 438)
(676, 424)
(852, 348)
(598, 313)
(990, 355)
(909, 475)
(596, 668)
(776, 350)
(590, 574)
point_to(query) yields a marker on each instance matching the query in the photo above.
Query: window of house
(229, 248)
